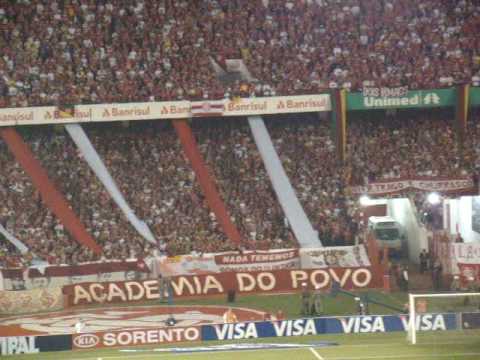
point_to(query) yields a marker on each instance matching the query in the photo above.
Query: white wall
(461, 216)
(402, 211)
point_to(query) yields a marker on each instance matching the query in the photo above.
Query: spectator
(120, 52)
(423, 261)
(229, 317)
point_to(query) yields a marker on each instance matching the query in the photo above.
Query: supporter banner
(164, 335)
(335, 256)
(229, 261)
(466, 253)
(162, 110)
(327, 325)
(469, 271)
(314, 258)
(384, 98)
(454, 185)
(206, 108)
(458, 256)
(58, 276)
(257, 260)
(28, 301)
(13, 345)
(220, 284)
(37, 277)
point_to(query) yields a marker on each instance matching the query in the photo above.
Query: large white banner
(335, 256)
(98, 167)
(299, 222)
(229, 261)
(162, 110)
(314, 258)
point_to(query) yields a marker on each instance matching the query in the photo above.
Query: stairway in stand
(418, 281)
(421, 282)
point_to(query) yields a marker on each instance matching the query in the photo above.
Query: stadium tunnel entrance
(421, 215)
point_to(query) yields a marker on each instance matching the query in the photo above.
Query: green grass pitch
(448, 345)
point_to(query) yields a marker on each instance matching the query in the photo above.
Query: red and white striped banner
(207, 108)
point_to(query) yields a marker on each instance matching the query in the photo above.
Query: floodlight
(364, 200)
(433, 198)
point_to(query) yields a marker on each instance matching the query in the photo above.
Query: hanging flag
(206, 182)
(207, 108)
(339, 121)
(462, 109)
(51, 197)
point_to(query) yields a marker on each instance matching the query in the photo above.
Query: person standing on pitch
(79, 326)
(317, 306)
(305, 299)
(229, 317)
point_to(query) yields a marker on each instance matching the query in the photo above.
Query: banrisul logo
(412, 99)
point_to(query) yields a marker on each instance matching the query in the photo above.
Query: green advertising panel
(475, 96)
(411, 99)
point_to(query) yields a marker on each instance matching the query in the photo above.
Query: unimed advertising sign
(221, 283)
(163, 335)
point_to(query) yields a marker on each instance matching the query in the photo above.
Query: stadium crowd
(407, 147)
(309, 157)
(232, 154)
(83, 51)
(80, 51)
(148, 164)
(162, 191)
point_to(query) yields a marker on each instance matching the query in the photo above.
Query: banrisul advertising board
(378, 98)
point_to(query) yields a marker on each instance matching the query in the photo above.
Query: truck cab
(388, 232)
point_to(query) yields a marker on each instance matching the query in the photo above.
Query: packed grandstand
(84, 52)
(157, 156)
(101, 52)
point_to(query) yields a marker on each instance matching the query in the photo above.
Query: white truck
(388, 232)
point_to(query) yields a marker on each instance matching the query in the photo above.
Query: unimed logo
(86, 341)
